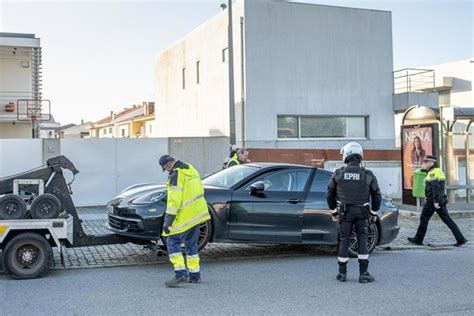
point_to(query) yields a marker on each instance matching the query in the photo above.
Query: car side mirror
(257, 188)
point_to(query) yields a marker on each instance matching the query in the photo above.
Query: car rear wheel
(372, 240)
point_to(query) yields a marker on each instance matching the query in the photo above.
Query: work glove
(166, 229)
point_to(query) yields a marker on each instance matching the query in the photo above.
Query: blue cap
(164, 160)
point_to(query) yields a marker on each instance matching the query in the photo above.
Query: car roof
(276, 164)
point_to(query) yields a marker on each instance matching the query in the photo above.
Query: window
(104, 131)
(225, 55)
(287, 127)
(320, 181)
(150, 128)
(285, 181)
(322, 126)
(184, 78)
(110, 130)
(230, 176)
(123, 132)
(197, 72)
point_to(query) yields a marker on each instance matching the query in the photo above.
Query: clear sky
(99, 56)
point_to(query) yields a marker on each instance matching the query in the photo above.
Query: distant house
(74, 131)
(134, 122)
(49, 129)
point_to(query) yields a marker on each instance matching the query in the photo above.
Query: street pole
(450, 164)
(468, 175)
(231, 78)
(242, 80)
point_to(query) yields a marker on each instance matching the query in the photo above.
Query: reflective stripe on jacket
(185, 199)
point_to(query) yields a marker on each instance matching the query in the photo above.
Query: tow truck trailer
(36, 214)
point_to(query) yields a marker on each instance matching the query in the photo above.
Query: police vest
(353, 185)
(234, 160)
(186, 200)
(435, 182)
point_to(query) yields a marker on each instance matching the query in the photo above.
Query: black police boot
(414, 241)
(364, 277)
(176, 281)
(342, 276)
(194, 279)
(460, 243)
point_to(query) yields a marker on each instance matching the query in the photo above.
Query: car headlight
(150, 198)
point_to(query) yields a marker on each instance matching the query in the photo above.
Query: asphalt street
(410, 282)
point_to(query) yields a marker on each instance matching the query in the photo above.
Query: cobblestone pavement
(438, 234)
(130, 254)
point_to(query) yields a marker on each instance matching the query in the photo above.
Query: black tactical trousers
(427, 212)
(356, 217)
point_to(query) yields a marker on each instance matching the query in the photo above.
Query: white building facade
(20, 78)
(310, 76)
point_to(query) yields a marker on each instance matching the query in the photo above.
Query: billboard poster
(417, 143)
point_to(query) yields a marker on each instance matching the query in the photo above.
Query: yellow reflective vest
(435, 182)
(234, 161)
(185, 199)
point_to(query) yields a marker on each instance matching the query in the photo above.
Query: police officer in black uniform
(353, 187)
(436, 201)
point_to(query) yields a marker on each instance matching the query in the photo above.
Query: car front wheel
(205, 234)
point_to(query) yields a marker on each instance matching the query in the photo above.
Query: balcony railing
(7, 97)
(413, 80)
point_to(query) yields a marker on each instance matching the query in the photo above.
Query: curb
(411, 215)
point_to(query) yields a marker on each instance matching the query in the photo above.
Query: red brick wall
(314, 157)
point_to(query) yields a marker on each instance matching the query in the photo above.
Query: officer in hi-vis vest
(436, 201)
(353, 187)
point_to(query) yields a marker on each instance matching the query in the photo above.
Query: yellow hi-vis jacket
(185, 199)
(234, 161)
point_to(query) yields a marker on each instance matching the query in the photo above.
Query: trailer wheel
(12, 206)
(45, 206)
(27, 256)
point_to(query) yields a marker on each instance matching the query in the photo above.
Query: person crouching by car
(186, 210)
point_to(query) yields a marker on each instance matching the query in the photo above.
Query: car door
(276, 214)
(318, 227)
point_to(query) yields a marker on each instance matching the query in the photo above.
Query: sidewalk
(459, 209)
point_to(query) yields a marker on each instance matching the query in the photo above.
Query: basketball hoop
(34, 111)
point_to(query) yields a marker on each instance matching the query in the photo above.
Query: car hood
(134, 192)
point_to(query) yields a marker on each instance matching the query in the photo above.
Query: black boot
(364, 277)
(176, 281)
(460, 242)
(414, 241)
(342, 276)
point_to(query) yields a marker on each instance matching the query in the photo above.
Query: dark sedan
(264, 203)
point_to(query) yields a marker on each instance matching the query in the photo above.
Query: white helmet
(351, 149)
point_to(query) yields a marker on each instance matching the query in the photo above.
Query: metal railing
(413, 80)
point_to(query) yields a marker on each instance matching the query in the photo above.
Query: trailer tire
(12, 206)
(27, 256)
(45, 206)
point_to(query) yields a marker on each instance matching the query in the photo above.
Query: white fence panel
(19, 155)
(106, 166)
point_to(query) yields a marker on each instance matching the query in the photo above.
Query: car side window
(320, 181)
(284, 181)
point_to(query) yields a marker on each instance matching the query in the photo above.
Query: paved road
(414, 282)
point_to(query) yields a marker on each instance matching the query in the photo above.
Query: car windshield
(230, 176)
